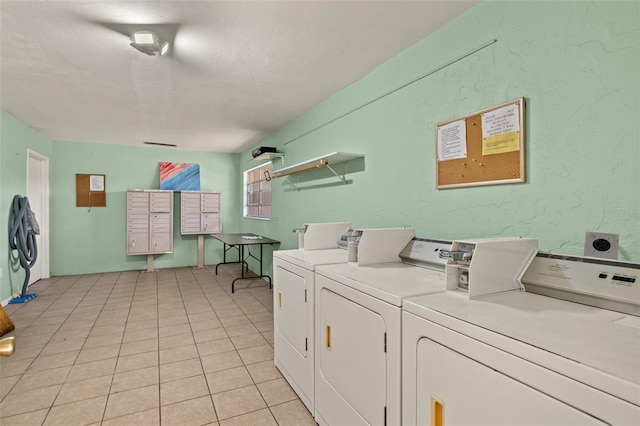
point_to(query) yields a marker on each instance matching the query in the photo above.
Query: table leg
(243, 261)
(242, 277)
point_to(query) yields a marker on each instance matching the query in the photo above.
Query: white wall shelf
(327, 161)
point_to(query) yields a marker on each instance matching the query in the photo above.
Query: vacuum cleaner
(23, 229)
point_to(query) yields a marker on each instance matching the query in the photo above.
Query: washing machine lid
(550, 332)
(310, 259)
(389, 282)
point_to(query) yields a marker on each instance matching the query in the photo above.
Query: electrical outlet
(599, 244)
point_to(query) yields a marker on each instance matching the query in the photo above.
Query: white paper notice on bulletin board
(501, 130)
(452, 141)
(96, 183)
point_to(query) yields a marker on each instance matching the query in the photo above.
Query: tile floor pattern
(172, 347)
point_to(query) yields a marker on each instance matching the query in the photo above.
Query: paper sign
(501, 130)
(452, 141)
(502, 120)
(96, 183)
(498, 144)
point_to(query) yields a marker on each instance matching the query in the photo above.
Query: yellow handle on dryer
(437, 412)
(328, 336)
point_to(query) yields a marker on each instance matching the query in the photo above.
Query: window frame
(246, 183)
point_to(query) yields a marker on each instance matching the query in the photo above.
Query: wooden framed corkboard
(91, 190)
(483, 148)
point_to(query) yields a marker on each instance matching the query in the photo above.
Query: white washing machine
(521, 358)
(358, 325)
(293, 292)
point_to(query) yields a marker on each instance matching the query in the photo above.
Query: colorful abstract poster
(180, 176)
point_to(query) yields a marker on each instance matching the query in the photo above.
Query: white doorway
(38, 194)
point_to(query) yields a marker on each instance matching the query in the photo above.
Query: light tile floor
(172, 347)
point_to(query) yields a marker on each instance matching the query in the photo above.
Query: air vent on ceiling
(172, 145)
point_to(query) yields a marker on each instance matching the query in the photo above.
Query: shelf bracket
(343, 177)
(288, 179)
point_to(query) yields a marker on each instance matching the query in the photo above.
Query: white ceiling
(235, 71)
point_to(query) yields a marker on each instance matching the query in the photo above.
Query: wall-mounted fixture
(263, 150)
(599, 244)
(149, 42)
(318, 163)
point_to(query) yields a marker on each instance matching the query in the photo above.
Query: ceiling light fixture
(149, 42)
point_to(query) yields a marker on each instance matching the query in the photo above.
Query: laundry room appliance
(488, 265)
(521, 356)
(358, 325)
(293, 285)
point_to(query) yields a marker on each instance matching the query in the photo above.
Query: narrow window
(257, 194)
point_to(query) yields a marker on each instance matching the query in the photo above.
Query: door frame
(42, 162)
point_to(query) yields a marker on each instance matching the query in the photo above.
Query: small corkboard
(91, 190)
(483, 148)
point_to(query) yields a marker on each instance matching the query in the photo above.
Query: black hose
(22, 236)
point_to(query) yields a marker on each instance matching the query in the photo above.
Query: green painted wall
(15, 140)
(94, 240)
(576, 63)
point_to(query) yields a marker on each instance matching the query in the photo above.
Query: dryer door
(453, 389)
(352, 362)
(290, 307)
(293, 327)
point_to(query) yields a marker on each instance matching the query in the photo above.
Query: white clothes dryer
(358, 330)
(293, 310)
(519, 358)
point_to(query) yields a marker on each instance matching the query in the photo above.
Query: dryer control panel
(597, 282)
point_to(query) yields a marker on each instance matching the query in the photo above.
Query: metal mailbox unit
(200, 212)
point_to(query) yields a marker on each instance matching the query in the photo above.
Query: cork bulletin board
(91, 190)
(483, 148)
